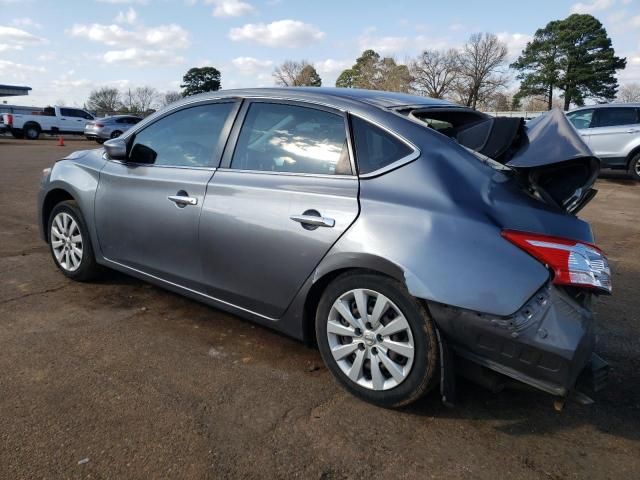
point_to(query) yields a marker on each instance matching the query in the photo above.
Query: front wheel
(70, 244)
(377, 339)
(634, 167)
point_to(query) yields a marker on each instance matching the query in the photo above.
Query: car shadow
(513, 411)
(619, 177)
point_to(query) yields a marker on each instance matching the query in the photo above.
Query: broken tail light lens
(573, 263)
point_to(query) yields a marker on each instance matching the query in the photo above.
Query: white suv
(612, 131)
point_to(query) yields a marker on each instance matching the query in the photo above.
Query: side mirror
(142, 154)
(116, 148)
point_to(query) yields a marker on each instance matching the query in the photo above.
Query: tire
(31, 131)
(634, 167)
(116, 134)
(65, 255)
(413, 377)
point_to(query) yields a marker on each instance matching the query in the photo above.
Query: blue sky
(63, 49)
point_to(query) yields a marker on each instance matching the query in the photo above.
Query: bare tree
(104, 100)
(435, 72)
(170, 97)
(629, 92)
(139, 100)
(146, 98)
(296, 74)
(481, 62)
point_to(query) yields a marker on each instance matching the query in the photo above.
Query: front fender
(77, 175)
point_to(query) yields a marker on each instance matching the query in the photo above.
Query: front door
(148, 208)
(285, 196)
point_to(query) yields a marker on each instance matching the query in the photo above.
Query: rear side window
(375, 148)
(186, 138)
(581, 119)
(612, 117)
(293, 139)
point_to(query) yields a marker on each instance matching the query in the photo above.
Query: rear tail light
(10, 120)
(574, 263)
(99, 125)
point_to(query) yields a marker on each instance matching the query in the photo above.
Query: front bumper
(546, 344)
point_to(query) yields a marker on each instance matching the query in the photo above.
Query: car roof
(607, 105)
(343, 98)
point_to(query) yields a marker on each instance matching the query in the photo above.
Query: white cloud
(384, 45)
(250, 65)
(515, 42)
(124, 2)
(139, 57)
(330, 66)
(12, 38)
(25, 22)
(129, 16)
(281, 33)
(166, 36)
(231, 8)
(592, 7)
(18, 71)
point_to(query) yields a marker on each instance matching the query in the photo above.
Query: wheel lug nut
(374, 350)
(361, 346)
(379, 337)
(368, 325)
(358, 332)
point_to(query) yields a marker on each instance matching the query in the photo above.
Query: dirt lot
(118, 379)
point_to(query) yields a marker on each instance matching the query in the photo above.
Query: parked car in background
(612, 131)
(54, 120)
(396, 231)
(105, 128)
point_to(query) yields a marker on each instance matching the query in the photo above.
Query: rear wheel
(377, 339)
(634, 167)
(116, 134)
(31, 131)
(70, 244)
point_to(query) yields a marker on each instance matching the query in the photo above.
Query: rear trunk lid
(551, 159)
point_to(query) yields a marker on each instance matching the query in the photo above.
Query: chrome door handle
(313, 220)
(183, 201)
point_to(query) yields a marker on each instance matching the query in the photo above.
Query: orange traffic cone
(60, 141)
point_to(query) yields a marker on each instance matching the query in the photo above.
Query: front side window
(187, 138)
(289, 138)
(581, 119)
(376, 148)
(613, 117)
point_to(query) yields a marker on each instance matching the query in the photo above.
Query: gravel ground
(119, 379)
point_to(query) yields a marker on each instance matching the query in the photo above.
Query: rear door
(283, 196)
(613, 128)
(148, 208)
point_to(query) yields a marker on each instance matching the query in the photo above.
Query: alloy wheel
(66, 241)
(370, 339)
(636, 167)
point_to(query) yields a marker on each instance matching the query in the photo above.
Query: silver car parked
(411, 238)
(612, 131)
(106, 128)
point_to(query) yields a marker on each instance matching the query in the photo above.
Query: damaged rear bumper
(547, 344)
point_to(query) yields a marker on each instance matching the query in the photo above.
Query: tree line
(567, 62)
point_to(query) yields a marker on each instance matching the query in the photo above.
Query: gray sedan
(105, 128)
(411, 239)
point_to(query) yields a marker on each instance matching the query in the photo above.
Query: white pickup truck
(54, 120)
